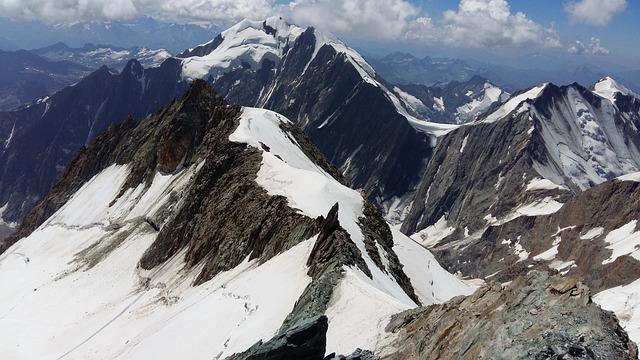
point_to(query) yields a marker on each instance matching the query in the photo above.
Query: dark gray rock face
(334, 250)
(456, 102)
(485, 168)
(358, 354)
(603, 208)
(537, 316)
(40, 140)
(26, 77)
(353, 123)
(305, 341)
(201, 50)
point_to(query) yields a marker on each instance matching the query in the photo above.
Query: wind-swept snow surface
(73, 289)
(244, 43)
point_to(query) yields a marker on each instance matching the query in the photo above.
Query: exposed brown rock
(534, 317)
(609, 205)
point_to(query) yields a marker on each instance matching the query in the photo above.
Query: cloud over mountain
(473, 23)
(486, 23)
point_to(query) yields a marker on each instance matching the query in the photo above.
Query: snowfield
(73, 289)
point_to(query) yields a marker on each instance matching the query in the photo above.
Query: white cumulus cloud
(66, 11)
(595, 12)
(485, 23)
(385, 19)
(474, 23)
(593, 47)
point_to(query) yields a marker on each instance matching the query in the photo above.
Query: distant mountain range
(141, 32)
(97, 55)
(25, 77)
(404, 68)
(7, 45)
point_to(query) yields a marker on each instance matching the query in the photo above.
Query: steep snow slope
(354, 117)
(513, 102)
(79, 281)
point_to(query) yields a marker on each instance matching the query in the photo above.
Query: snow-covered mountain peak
(480, 102)
(247, 43)
(252, 41)
(608, 88)
(275, 26)
(513, 103)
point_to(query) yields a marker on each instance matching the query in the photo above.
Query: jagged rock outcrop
(305, 341)
(206, 205)
(571, 240)
(537, 316)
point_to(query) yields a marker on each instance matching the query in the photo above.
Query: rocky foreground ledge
(537, 316)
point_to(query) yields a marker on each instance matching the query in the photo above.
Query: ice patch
(630, 177)
(624, 240)
(624, 301)
(543, 184)
(432, 234)
(592, 234)
(513, 103)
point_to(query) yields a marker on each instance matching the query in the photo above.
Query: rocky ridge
(179, 203)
